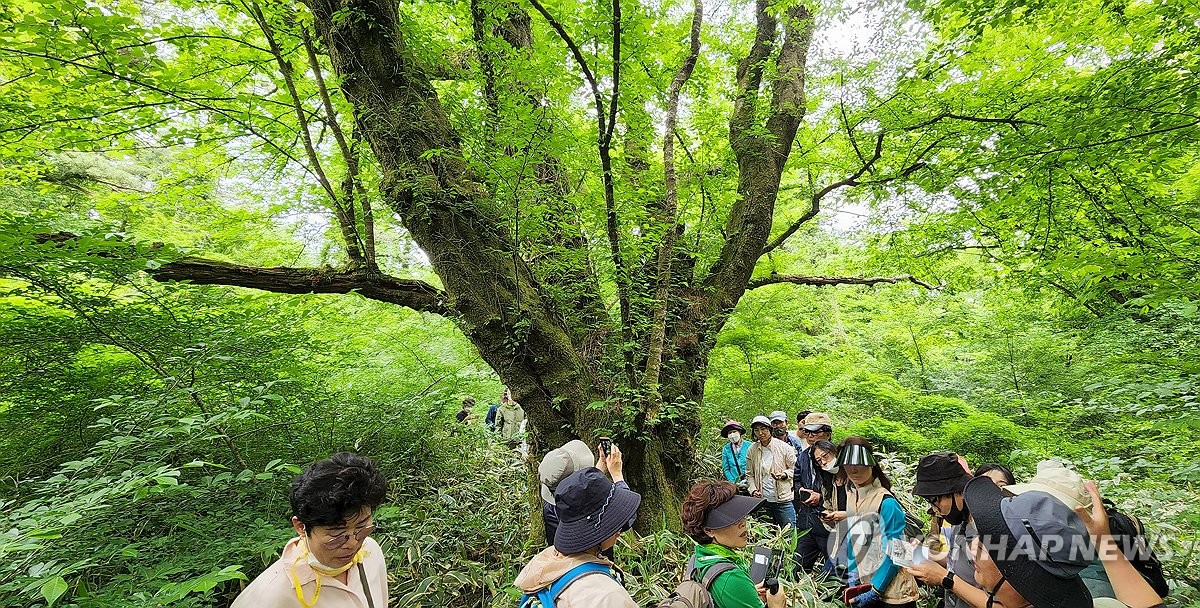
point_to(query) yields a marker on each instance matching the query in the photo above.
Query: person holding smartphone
(714, 515)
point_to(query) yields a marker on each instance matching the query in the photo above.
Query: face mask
(956, 515)
(735, 437)
(832, 467)
(779, 433)
(320, 568)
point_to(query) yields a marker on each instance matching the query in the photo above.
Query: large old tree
(594, 186)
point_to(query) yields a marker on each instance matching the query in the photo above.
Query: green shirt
(733, 588)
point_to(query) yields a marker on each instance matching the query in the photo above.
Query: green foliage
(887, 435)
(981, 437)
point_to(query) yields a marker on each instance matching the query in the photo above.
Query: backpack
(1130, 535)
(914, 528)
(696, 594)
(546, 596)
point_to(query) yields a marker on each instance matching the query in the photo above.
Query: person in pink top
(333, 562)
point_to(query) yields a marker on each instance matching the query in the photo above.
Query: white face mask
(832, 467)
(735, 437)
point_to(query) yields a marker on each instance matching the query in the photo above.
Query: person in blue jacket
(876, 521)
(733, 454)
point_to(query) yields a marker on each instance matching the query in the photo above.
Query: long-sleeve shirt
(734, 464)
(892, 518)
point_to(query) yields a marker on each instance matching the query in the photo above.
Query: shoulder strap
(572, 575)
(362, 577)
(715, 570)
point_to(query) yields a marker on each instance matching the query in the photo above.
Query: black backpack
(1130, 535)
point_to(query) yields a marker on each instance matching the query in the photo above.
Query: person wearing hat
(715, 517)
(733, 454)
(593, 512)
(769, 468)
(809, 481)
(1056, 479)
(875, 520)
(779, 430)
(555, 467)
(941, 480)
(1032, 547)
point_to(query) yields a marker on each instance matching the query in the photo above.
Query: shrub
(887, 435)
(980, 437)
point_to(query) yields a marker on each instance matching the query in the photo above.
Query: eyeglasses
(933, 500)
(336, 542)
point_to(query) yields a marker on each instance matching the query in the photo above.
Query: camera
(765, 565)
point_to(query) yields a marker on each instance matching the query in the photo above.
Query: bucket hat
(590, 509)
(1054, 478)
(730, 512)
(855, 455)
(560, 462)
(1038, 543)
(940, 473)
(732, 425)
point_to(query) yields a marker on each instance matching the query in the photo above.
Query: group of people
(992, 542)
(506, 418)
(1046, 543)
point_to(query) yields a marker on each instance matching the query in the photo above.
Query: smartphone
(760, 563)
(605, 447)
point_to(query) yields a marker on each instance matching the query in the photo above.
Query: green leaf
(53, 589)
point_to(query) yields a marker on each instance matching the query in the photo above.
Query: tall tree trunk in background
(497, 299)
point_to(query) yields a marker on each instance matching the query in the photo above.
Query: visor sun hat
(778, 415)
(730, 512)
(591, 509)
(855, 455)
(940, 473)
(732, 425)
(561, 462)
(763, 420)
(1055, 479)
(817, 422)
(1038, 543)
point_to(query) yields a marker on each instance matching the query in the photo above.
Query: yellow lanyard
(358, 557)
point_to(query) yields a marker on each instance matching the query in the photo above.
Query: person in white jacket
(332, 562)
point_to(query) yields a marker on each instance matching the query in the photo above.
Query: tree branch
(414, 294)
(823, 281)
(815, 207)
(666, 249)
(1013, 122)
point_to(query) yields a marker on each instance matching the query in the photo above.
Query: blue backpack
(547, 596)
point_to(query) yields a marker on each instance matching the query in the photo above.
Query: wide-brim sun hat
(732, 425)
(561, 462)
(591, 509)
(731, 511)
(1044, 566)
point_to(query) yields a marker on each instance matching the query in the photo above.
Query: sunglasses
(933, 500)
(337, 542)
(823, 429)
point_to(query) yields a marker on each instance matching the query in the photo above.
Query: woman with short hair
(715, 517)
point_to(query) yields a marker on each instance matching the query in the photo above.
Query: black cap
(730, 512)
(940, 473)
